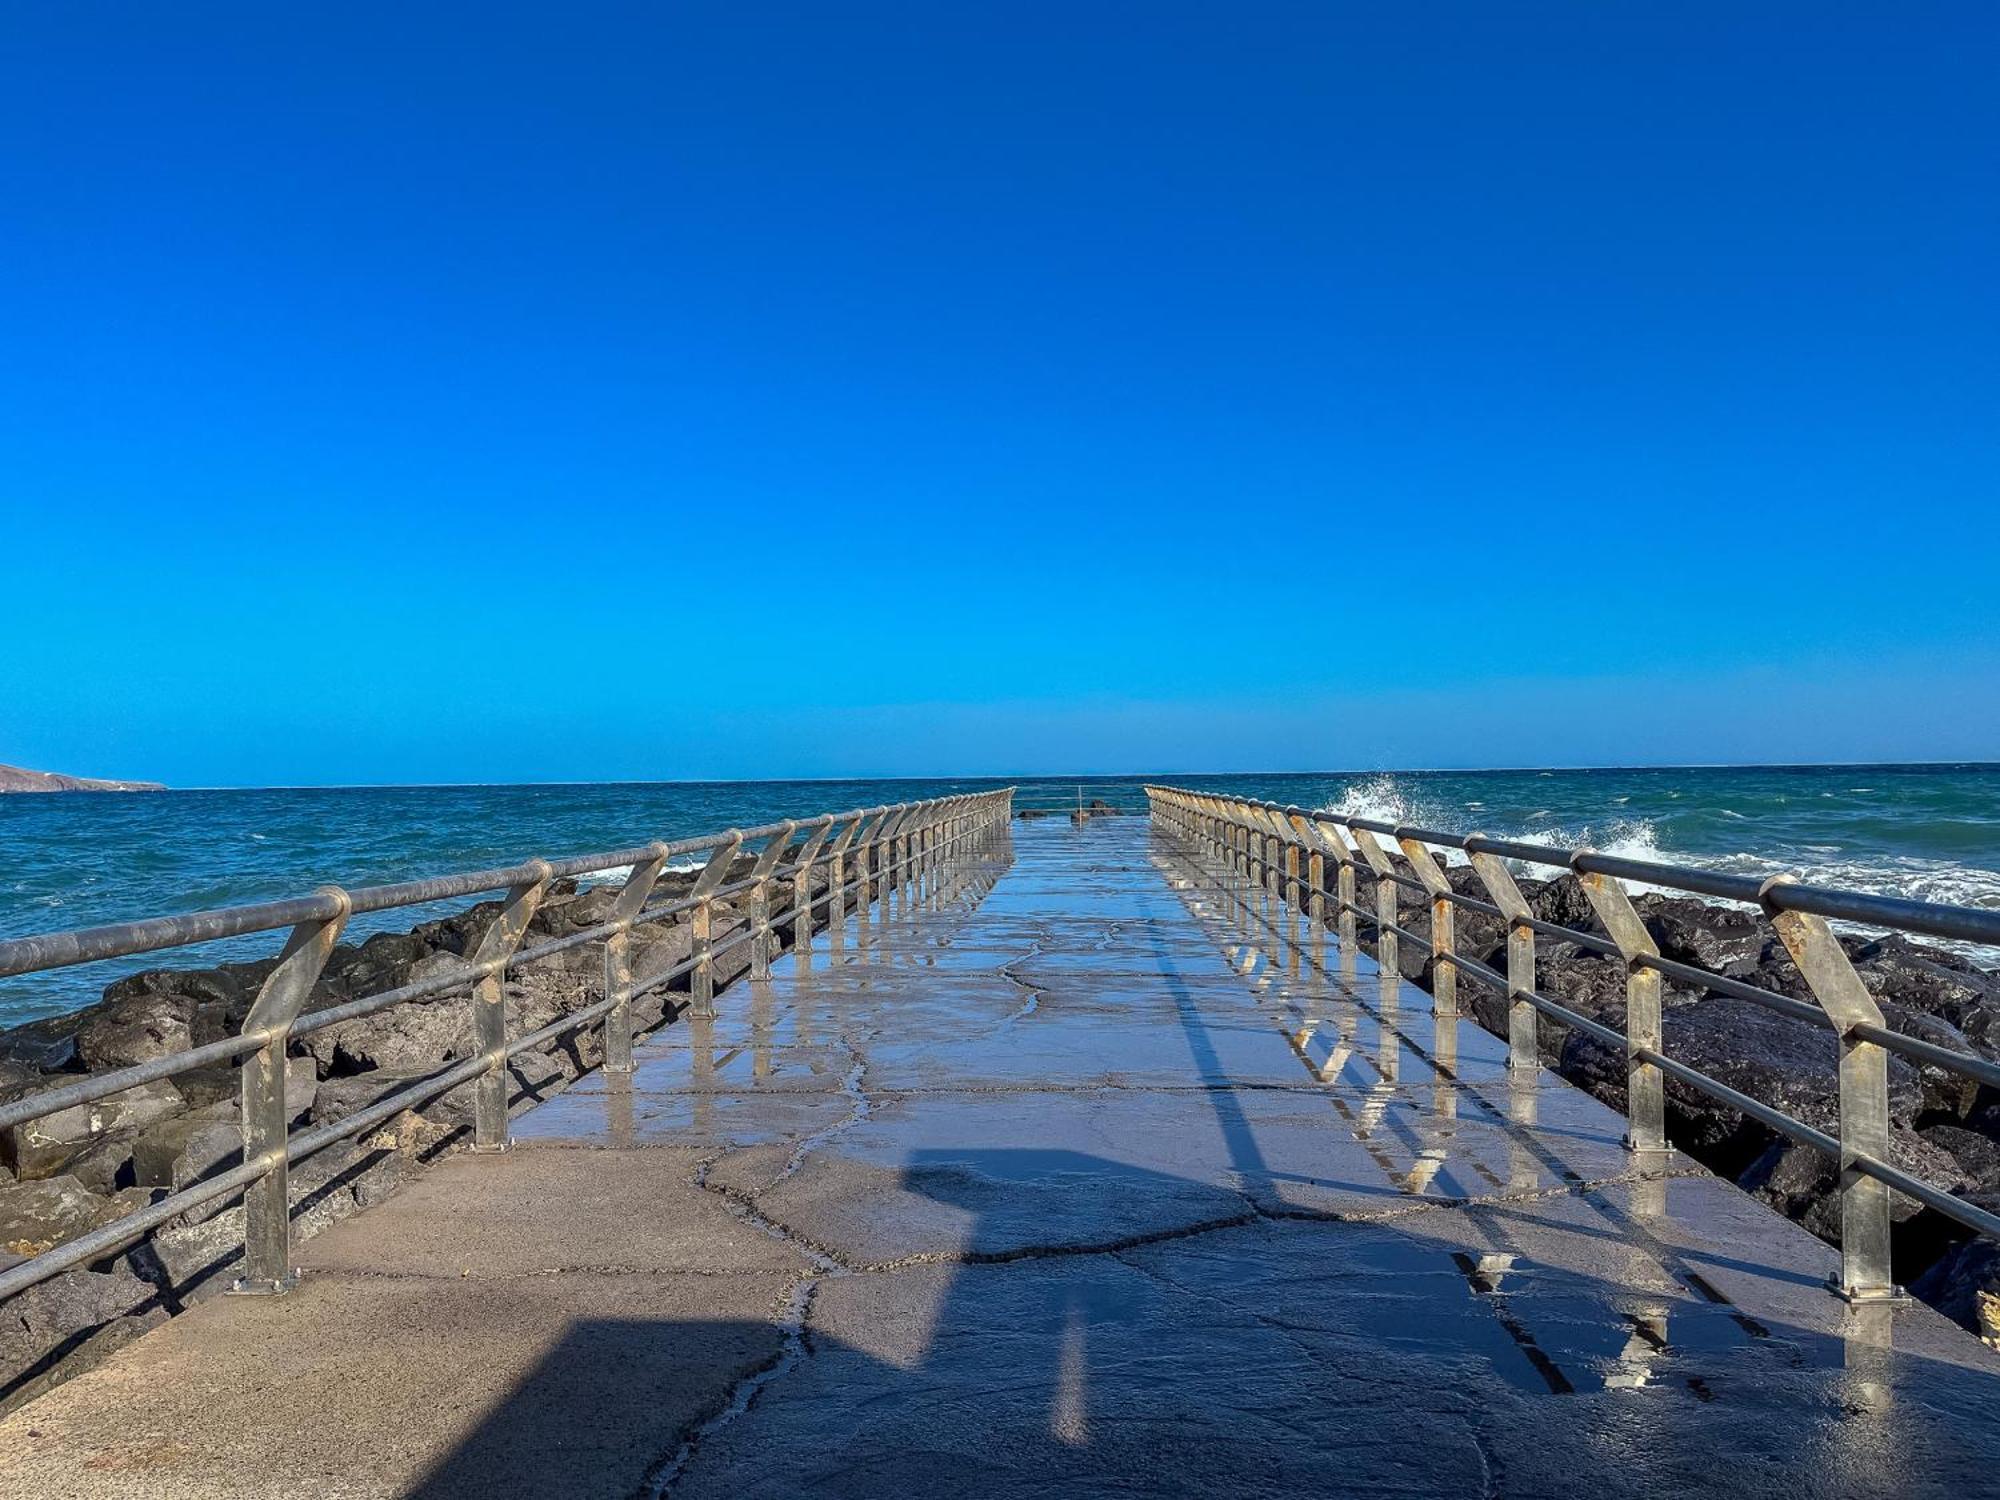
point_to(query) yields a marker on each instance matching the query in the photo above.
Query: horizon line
(1154, 776)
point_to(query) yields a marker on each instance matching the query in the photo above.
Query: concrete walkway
(1077, 1180)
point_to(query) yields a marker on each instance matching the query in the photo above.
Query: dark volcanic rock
(1977, 1155)
(1925, 979)
(1945, 1090)
(68, 1323)
(1726, 939)
(47, 1045)
(49, 1145)
(38, 1216)
(136, 1029)
(1788, 1064)
(179, 1152)
(1965, 1284)
(1804, 1184)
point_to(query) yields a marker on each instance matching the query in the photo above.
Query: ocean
(76, 860)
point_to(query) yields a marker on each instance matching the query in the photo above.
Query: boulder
(1723, 939)
(178, 1152)
(1788, 1064)
(44, 1147)
(106, 1165)
(1977, 1154)
(38, 1216)
(68, 1323)
(19, 1079)
(418, 1036)
(1946, 1091)
(1924, 979)
(47, 1045)
(1561, 902)
(1964, 1284)
(340, 1097)
(1803, 1183)
(138, 1028)
(1981, 1025)
(381, 963)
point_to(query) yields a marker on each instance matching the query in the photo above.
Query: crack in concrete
(860, 1109)
(793, 1312)
(1035, 991)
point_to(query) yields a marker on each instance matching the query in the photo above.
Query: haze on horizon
(481, 394)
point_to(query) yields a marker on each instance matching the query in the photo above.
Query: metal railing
(1266, 843)
(895, 852)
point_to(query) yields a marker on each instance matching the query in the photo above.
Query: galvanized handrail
(897, 852)
(1263, 842)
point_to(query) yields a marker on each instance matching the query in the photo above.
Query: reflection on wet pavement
(1123, 1051)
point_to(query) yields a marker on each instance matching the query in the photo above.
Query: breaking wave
(1676, 837)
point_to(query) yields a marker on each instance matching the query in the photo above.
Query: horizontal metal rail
(1264, 843)
(896, 853)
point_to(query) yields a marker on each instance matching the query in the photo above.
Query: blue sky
(440, 393)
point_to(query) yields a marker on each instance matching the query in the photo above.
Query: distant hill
(19, 779)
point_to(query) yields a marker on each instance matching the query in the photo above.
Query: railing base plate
(1891, 1296)
(243, 1286)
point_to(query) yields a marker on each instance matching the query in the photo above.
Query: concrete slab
(540, 1213)
(372, 1386)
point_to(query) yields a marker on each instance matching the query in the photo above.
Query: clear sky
(493, 392)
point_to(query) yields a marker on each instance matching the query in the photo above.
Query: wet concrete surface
(1076, 1178)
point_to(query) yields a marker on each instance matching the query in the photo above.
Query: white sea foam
(1638, 839)
(619, 874)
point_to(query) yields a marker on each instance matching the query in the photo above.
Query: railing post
(761, 936)
(1523, 1050)
(701, 923)
(1444, 924)
(267, 1202)
(885, 864)
(1645, 1085)
(802, 903)
(1315, 871)
(489, 1007)
(836, 882)
(1343, 895)
(864, 895)
(1387, 912)
(1865, 1218)
(632, 897)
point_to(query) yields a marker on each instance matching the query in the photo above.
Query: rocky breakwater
(1946, 1128)
(68, 1173)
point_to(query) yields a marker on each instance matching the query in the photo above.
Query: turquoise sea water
(66, 861)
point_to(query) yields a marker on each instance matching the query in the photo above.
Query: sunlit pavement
(1081, 1173)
